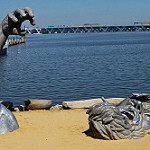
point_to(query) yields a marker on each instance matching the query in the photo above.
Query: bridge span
(88, 29)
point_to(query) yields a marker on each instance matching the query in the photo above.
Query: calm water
(76, 67)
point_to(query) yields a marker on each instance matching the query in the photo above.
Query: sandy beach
(61, 130)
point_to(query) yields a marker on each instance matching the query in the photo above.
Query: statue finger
(32, 21)
(29, 11)
(14, 31)
(12, 18)
(17, 31)
(19, 13)
(30, 15)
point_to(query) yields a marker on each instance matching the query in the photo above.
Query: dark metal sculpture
(11, 25)
(130, 119)
(8, 121)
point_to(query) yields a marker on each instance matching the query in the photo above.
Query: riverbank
(61, 130)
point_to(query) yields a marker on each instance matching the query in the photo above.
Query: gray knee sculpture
(8, 121)
(130, 119)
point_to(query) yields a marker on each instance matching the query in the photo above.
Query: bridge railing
(87, 29)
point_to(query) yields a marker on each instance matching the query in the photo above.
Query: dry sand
(61, 130)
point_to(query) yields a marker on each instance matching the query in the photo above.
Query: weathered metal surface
(130, 119)
(8, 121)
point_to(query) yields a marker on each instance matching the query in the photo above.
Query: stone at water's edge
(56, 107)
(86, 104)
(114, 101)
(34, 104)
(20, 108)
(7, 104)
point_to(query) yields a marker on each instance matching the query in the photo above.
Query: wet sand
(61, 130)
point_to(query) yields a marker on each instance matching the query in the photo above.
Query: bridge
(88, 29)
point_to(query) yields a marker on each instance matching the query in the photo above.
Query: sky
(79, 12)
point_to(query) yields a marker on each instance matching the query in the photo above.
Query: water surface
(76, 67)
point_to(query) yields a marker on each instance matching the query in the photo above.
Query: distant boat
(4, 50)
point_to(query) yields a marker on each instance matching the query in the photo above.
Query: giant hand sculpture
(11, 25)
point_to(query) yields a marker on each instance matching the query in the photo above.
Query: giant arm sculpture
(130, 119)
(11, 25)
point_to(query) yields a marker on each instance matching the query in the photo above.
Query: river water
(76, 67)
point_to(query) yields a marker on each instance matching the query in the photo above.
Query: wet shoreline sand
(61, 130)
